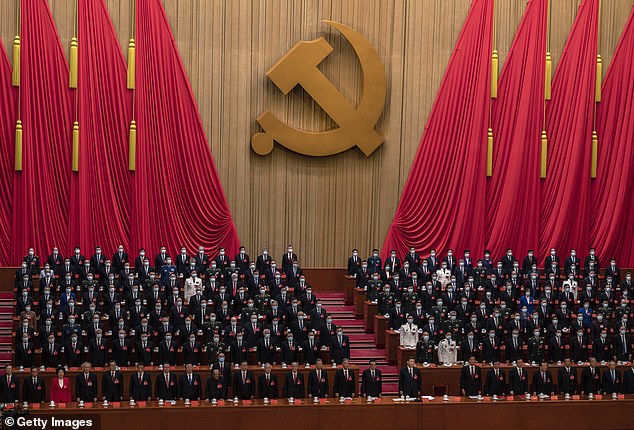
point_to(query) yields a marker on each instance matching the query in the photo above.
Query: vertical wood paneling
(323, 206)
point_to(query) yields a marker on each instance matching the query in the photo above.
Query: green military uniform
(536, 349)
(209, 329)
(408, 302)
(439, 313)
(456, 329)
(620, 311)
(213, 349)
(374, 287)
(425, 352)
(479, 276)
(385, 302)
(262, 303)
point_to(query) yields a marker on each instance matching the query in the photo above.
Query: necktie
(472, 372)
(294, 377)
(411, 373)
(613, 376)
(319, 375)
(519, 371)
(244, 376)
(190, 378)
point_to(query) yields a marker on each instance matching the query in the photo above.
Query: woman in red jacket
(60, 387)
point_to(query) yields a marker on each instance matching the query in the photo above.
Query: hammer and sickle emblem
(356, 124)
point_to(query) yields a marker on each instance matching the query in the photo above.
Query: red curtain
(178, 198)
(611, 227)
(41, 190)
(565, 193)
(105, 111)
(513, 201)
(8, 117)
(442, 205)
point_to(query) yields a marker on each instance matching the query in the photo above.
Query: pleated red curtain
(611, 224)
(565, 193)
(443, 204)
(105, 110)
(42, 189)
(178, 198)
(8, 117)
(512, 196)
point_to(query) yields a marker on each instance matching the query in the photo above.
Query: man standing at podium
(409, 380)
(471, 379)
(372, 381)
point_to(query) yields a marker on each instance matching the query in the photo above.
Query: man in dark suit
(518, 379)
(267, 384)
(166, 386)
(628, 381)
(9, 386)
(266, 348)
(288, 258)
(24, 352)
(354, 263)
(567, 378)
(590, 378)
(112, 383)
(345, 383)
(471, 378)
(611, 382)
(144, 349)
(225, 369)
(543, 381)
(409, 380)
(244, 383)
(495, 381)
(293, 383)
(140, 384)
(215, 387)
(34, 390)
(86, 384)
(98, 349)
(372, 381)
(318, 381)
(190, 384)
(339, 347)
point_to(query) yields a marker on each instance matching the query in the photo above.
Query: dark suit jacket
(590, 383)
(268, 388)
(215, 389)
(339, 352)
(371, 386)
(140, 389)
(610, 385)
(567, 382)
(34, 393)
(541, 385)
(495, 384)
(86, 390)
(410, 385)
(9, 393)
(189, 391)
(628, 381)
(343, 387)
(243, 389)
(166, 390)
(112, 388)
(293, 388)
(318, 387)
(472, 385)
(517, 384)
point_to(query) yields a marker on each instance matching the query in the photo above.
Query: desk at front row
(462, 413)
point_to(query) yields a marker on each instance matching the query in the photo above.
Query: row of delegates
(567, 381)
(120, 264)
(507, 263)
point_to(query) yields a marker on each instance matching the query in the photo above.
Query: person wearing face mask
(310, 349)
(470, 346)
(51, 352)
(32, 261)
(238, 349)
(536, 347)
(409, 333)
(622, 346)
(354, 263)
(288, 258)
(167, 349)
(602, 347)
(144, 348)
(55, 260)
(73, 350)
(192, 351)
(579, 346)
(443, 275)
(121, 349)
(98, 349)
(339, 347)
(375, 263)
(448, 350)
(214, 347)
(193, 283)
(263, 262)
(425, 349)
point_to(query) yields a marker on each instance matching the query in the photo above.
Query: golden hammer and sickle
(356, 125)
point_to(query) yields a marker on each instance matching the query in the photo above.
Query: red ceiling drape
(42, 189)
(513, 201)
(565, 193)
(105, 111)
(178, 197)
(8, 117)
(611, 224)
(443, 204)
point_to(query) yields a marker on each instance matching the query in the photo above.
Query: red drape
(41, 190)
(513, 201)
(565, 193)
(612, 229)
(105, 111)
(8, 116)
(178, 197)
(443, 204)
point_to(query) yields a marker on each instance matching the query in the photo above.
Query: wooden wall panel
(324, 206)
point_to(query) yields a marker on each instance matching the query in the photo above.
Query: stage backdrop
(325, 206)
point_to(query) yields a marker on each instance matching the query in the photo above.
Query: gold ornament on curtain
(549, 76)
(131, 64)
(490, 152)
(544, 156)
(595, 148)
(72, 81)
(76, 147)
(132, 147)
(18, 146)
(15, 75)
(495, 58)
